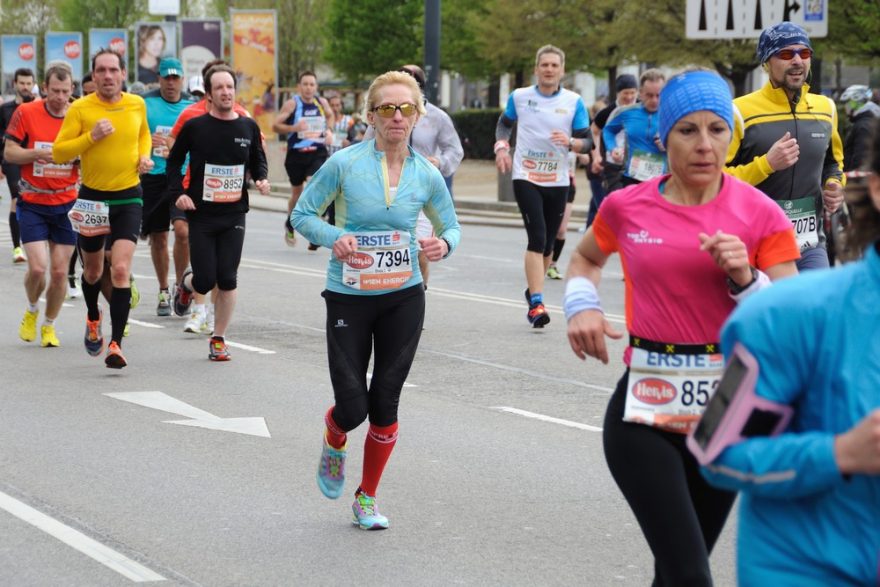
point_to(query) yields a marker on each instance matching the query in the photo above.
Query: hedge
(476, 128)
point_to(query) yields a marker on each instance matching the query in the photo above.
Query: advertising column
(255, 60)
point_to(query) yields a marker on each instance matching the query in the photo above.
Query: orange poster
(254, 58)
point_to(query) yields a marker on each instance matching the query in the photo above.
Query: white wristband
(501, 146)
(760, 282)
(580, 295)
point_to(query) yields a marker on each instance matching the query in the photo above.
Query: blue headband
(779, 36)
(691, 92)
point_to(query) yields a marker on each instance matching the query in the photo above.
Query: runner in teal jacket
(808, 515)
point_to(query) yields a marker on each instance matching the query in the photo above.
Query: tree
(369, 37)
(82, 15)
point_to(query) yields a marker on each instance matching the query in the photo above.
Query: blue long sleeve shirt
(355, 179)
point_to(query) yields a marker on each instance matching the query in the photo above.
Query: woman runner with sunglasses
(374, 294)
(692, 243)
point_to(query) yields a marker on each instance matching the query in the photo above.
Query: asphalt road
(498, 477)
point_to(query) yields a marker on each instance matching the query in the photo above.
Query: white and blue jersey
(816, 338)
(161, 116)
(536, 159)
(356, 180)
(644, 158)
(311, 139)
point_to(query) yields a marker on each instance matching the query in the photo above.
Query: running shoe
(331, 470)
(18, 255)
(127, 330)
(218, 351)
(289, 234)
(197, 323)
(538, 316)
(183, 296)
(135, 293)
(366, 513)
(553, 272)
(28, 329)
(73, 291)
(94, 340)
(313, 247)
(164, 306)
(114, 358)
(209, 323)
(48, 337)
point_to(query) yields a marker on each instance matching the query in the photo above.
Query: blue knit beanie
(691, 92)
(779, 36)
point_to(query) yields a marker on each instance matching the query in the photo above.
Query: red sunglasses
(788, 54)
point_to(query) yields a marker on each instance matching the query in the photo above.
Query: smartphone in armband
(735, 413)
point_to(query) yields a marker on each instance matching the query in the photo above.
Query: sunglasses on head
(388, 110)
(788, 54)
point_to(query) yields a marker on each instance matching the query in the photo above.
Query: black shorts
(301, 165)
(159, 210)
(125, 219)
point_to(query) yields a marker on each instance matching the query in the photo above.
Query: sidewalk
(475, 189)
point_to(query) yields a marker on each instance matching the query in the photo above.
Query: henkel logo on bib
(529, 164)
(71, 49)
(213, 182)
(26, 51)
(117, 45)
(654, 391)
(643, 237)
(359, 260)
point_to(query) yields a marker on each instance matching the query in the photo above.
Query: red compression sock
(377, 449)
(335, 435)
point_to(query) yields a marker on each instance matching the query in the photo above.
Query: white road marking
(145, 324)
(550, 419)
(246, 347)
(519, 370)
(405, 384)
(157, 400)
(77, 540)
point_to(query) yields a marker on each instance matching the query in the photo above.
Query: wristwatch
(737, 289)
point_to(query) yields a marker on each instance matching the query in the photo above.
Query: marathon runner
(23, 83)
(47, 195)
(223, 147)
(785, 141)
(375, 298)
(550, 121)
(108, 130)
(692, 243)
(164, 106)
(631, 137)
(306, 119)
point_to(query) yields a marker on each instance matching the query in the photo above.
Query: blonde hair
(550, 49)
(651, 75)
(392, 78)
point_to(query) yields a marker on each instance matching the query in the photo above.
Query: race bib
(90, 218)
(382, 261)
(670, 391)
(804, 220)
(316, 126)
(222, 183)
(644, 165)
(53, 170)
(162, 151)
(550, 168)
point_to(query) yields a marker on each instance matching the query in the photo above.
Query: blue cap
(691, 92)
(778, 37)
(170, 66)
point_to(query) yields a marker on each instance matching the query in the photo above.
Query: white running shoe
(197, 323)
(73, 291)
(210, 322)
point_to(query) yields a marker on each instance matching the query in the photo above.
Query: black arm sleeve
(503, 129)
(587, 135)
(257, 165)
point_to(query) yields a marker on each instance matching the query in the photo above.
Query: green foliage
(370, 37)
(476, 129)
(82, 15)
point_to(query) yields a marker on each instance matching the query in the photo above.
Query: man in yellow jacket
(785, 141)
(108, 131)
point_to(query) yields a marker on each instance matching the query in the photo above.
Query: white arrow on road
(198, 418)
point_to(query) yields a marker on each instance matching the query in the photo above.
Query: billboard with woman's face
(154, 40)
